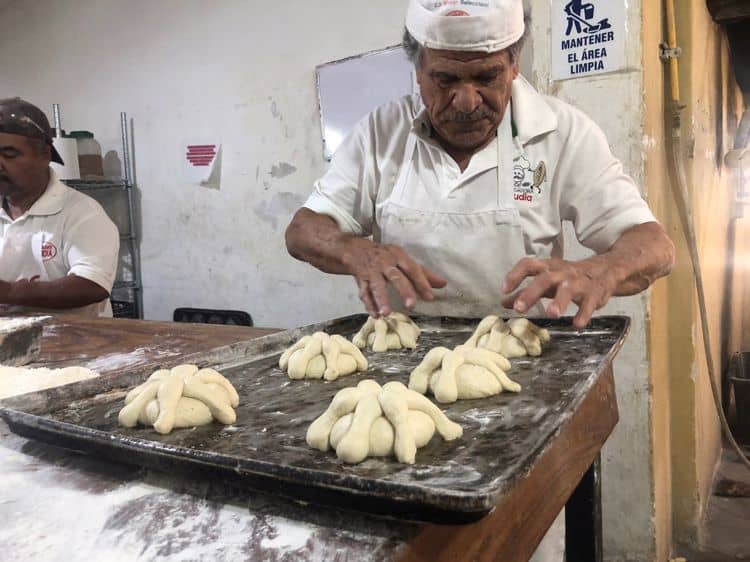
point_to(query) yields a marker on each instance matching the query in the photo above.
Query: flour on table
(19, 380)
(10, 323)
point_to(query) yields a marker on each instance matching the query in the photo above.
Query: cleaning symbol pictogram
(581, 16)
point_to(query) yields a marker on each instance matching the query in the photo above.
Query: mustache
(462, 117)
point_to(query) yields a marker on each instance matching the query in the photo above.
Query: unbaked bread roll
(395, 331)
(184, 396)
(322, 356)
(464, 373)
(373, 421)
(515, 338)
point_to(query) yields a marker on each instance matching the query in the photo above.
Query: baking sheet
(451, 481)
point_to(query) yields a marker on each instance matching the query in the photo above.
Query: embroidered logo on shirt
(49, 251)
(527, 180)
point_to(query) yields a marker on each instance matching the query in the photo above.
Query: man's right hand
(318, 240)
(374, 266)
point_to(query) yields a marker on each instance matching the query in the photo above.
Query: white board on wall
(351, 88)
(588, 37)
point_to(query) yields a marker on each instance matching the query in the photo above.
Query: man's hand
(587, 283)
(318, 240)
(10, 292)
(642, 254)
(374, 266)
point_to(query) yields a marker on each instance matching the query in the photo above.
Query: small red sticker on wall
(201, 154)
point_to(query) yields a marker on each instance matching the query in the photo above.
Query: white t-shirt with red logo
(65, 232)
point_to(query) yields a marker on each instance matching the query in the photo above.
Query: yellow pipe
(674, 71)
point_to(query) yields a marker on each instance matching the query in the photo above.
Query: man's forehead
(10, 140)
(465, 58)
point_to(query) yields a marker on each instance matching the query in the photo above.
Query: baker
(464, 188)
(58, 248)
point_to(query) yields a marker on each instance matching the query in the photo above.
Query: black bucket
(740, 376)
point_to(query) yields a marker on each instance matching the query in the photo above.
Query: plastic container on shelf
(90, 159)
(67, 148)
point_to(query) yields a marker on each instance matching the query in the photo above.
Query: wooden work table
(59, 505)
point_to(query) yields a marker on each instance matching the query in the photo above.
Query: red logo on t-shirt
(49, 251)
(457, 13)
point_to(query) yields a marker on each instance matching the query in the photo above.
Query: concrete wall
(242, 72)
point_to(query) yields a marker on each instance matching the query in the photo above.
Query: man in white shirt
(465, 187)
(58, 249)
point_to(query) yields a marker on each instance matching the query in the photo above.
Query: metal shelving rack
(117, 198)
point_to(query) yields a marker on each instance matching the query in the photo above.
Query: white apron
(472, 251)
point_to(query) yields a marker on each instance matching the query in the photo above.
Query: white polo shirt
(65, 232)
(563, 170)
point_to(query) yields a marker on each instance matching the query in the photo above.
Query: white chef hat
(465, 25)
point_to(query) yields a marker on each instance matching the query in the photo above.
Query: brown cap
(19, 117)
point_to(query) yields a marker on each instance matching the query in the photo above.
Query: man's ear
(516, 67)
(44, 149)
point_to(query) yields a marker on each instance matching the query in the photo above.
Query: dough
(516, 338)
(464, 373)
(373, 421)
(184, 396)
(395, 331)
(382, 434)
(19, 380)
(322, 356)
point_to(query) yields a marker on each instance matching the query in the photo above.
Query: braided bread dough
(322, 356)
(184, 396)
(369, 420)
(464, 373)
(515, 338)
(395, 331)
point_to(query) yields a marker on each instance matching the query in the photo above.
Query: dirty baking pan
(451, 482)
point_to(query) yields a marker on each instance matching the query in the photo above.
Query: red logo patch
(457, 13)
(49, 251)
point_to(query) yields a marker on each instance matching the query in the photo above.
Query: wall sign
(588, 37)
(202, 164)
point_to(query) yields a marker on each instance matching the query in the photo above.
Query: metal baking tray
(451, 482)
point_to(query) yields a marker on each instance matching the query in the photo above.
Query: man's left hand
(641, 254)
(588, 283)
